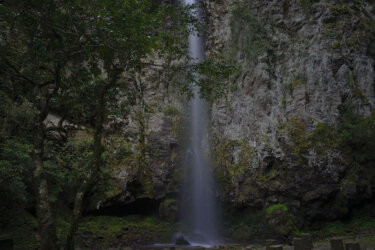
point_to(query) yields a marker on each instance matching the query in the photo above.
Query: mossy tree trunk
(47, 229)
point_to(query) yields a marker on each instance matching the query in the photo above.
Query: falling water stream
(200, 216)
(199, 205)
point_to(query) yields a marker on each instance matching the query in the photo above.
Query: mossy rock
(168, 210)
(280, 221)
(276, 208)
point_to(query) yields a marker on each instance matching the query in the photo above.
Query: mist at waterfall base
(199, 196)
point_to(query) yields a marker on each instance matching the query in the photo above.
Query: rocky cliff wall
(146, 148)
(279, 138)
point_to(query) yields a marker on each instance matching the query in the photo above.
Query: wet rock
(337, 244)
(276, 247)
(180, 240)
(199, 238)
(298, 244)
(6, 242)
(119, 235)
(278, 222)
(271, 242)
(352, 246)
(307, 241)
(168, 210)
(303, 243)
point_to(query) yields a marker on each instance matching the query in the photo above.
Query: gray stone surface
(337, 244)
(270, 242)
(298, 244)
(301, 76)
(352, 246)
(276, 247)
(6, 242)
(307, 241)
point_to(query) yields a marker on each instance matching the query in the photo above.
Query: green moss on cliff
(249, 37)
(277, 207)
(299, 144)
(256, 225)
(354, 35)
(305, 5)
(354, 136)
(230, 171)
(304, 138)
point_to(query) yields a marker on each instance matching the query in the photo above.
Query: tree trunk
(76, 217)
(47, 229)
(87, 183)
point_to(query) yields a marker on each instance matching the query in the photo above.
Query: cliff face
(146, 148)
(279, 138)
(294, 137)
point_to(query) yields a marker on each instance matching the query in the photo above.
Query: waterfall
(200, 215)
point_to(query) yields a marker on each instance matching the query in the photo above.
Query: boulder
(298, 244)
(6, 242)
(352, 246)
(168, 210)
(270, 242)
(180, 240)
(307, 241)
(337, 244)
(198, 238)
(276, 247)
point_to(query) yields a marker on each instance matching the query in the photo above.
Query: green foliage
(290, 87)
(324, 136)
(351, 227)
(354, 136)
(248, 224)
(227, 170)
(357, 134)
(15, 171)
(75, 159)
(21, 226)
(338, 9)
(241, 224)
(223, 152)
(336, 45)
(171, 111)
(277, 207)
(349, 34)
(215, 77)
(81, 50)
(321, 138)
(170, 201)
(114, 230)
(248, 34)
(296, 131)
(16, 117)
(305, 5)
